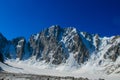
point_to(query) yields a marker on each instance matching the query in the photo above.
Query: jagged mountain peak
(56, 42)
(57, 46)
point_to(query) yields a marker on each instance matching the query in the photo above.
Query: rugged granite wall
(19, 45)
(46, 46)
(114, 51)
(55, 45)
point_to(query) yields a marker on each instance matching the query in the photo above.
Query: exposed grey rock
(87, 36)
(19, 44)
(79, 47)
(13, 76)
(113, 52)
(97, 41)
(115, 37)
(49, 47)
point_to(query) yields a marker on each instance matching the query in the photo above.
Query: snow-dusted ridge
(65, 52)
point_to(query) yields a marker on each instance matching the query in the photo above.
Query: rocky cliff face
(55, 45)
(3, 43)
(19, 44)
(114, 51)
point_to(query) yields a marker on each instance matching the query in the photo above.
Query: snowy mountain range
(62, 52)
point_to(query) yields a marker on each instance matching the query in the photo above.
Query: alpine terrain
(62, 52)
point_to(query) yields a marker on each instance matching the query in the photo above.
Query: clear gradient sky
(25, 17)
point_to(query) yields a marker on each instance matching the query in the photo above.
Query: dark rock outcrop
(54, 45)
(3, 41)
(19, 44)
(97, 41)
(113, 52)
(3, 44)
(1, 57)
(45, 45)
(75, 45)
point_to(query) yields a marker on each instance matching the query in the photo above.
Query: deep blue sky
(25, 17)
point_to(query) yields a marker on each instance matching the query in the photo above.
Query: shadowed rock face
(97, 41)
(75, 45)
(3, 43)
(45, 46)
(19, 44)
(1, 57)
(55, 44)
(113, 52)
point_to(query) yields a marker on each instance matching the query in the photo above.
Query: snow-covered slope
(88, 71)
(63, 52)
